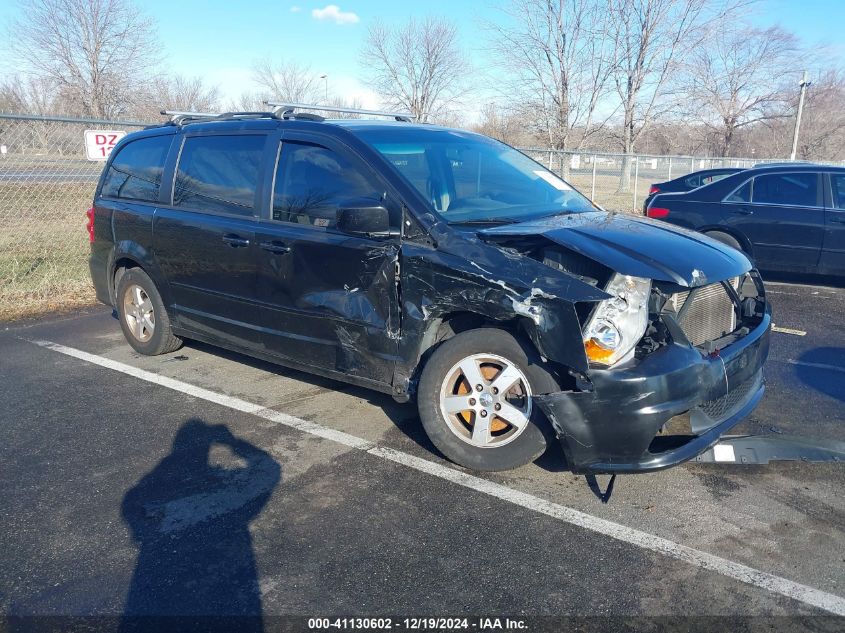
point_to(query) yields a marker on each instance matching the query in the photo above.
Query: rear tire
(143, 317)
(726, 238)
(500, 428)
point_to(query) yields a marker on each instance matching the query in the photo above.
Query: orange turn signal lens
(596, 352)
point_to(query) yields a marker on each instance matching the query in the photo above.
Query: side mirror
(368, 221)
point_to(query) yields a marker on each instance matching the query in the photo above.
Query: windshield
(467, 177)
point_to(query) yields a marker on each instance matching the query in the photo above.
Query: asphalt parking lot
(204, 482)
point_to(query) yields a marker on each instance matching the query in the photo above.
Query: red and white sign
(99, 143)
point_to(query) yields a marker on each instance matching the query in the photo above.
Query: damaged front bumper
(615, 427)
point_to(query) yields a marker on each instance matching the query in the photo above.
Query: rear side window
(795, 189)
(219, 173)
(314, 182)
(135, 172)
(693, 181)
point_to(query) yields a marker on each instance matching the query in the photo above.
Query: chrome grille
(709, 315)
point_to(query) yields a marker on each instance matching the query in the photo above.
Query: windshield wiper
(486, 221)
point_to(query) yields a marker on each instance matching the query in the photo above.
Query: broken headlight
(617, 324)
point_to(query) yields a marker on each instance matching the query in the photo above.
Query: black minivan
(438, 265)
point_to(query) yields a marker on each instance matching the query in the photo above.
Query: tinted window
(135, 173)
(743, 194)
(838, 182)
(714, 178)
(467, 177)
(313, 182)
(219, 173)
(693, 181)
(797, 189)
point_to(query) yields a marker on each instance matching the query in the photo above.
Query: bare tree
(340, 102)
(96, 52)
(30, 95)
(649, 38)
(496, 122)
(418, 67)
(558, 65)
(737, 79)
(286, 80)
(179, 93)
(248, 101)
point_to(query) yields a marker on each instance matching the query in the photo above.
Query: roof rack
(178, 117)
(280, 111)
(287, 110)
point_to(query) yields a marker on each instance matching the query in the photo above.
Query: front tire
(143, 317)
(475, 400)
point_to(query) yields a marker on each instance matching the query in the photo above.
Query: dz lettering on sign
(99, 143)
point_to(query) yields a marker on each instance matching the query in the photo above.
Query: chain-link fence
(622, 185)
(46, 185)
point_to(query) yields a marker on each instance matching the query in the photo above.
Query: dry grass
(43, 248)
(607, 195)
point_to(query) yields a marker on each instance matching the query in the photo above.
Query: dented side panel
(331, 301)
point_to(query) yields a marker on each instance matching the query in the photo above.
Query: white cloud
(351, 90)
(332, 13)
(295, 9)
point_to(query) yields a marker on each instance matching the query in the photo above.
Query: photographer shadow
(190, 518)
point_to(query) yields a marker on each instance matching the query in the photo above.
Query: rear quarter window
(741, 194)
(135, 172)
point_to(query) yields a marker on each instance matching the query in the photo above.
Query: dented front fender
(464, 274)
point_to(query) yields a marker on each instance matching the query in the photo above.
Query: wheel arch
(447, 325)
(127, 255)
(740, 237)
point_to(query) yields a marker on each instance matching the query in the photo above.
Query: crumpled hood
(635, 246)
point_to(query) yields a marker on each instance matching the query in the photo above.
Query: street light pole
(325, 79)
(804, 83)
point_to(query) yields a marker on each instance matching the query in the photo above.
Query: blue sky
(219, 41)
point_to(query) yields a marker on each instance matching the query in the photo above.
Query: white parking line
(824, 366)
(770, 582)
(804, 288)
(815, 295)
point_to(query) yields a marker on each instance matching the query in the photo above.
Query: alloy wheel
(486, 400)
(138, 313)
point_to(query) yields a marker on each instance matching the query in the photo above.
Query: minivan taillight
(657, 212)
(90, 224)
(654, 189)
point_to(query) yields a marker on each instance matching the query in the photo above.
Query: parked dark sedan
(688, 182)
(788, 218)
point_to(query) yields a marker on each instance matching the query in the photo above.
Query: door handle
(743, 211)
(275, 247)
(235, 241)
(837, 219)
